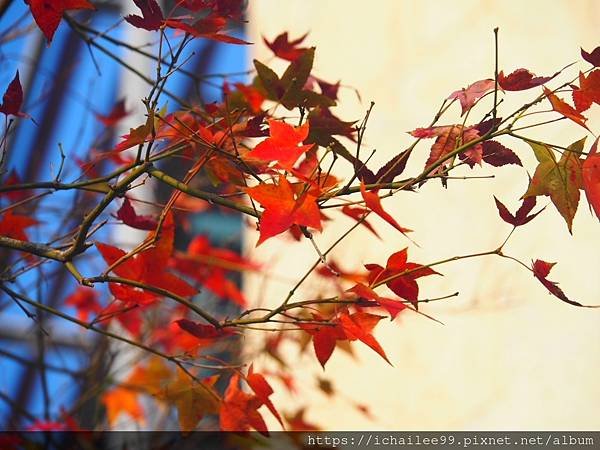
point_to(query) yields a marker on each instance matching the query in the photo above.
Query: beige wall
(509, 356)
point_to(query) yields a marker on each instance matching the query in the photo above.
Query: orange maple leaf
(588, 91)
(282, 146)
(560, 106)
(284, 207)
(121, 400)
(373, 202)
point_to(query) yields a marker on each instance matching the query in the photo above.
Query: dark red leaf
(13, 98)
(328, 89)
(129, 217)
(521, 79)
(521, 217)
(393, 167)
(496, 154)
(225, 8)
(593, 58)
(487, 125)
(152, 16)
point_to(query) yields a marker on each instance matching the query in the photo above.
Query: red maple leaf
(147, 267)
(131, 295)
(286, 49)
(359, 325)
(263, 390)
(66, 423)
(254, 97)
(449, 138)
(393, 307)
(85, 300)
(129, 316)
(400, 276)
(334, 271)
(344, 327)
(137, 135)
(590, 174)
(239, 410)
(588, 91)
(282, 145)
(14, 225)
(201, 331)
(324, 337)
(357, 213)
(284, 207)
(117, 113)
(12, 180)
(541, 269)
(208, 27)
(175, 340)
(209, 266)
(48, 13)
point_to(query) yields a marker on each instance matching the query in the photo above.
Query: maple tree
(271, 149)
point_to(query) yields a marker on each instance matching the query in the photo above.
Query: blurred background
(510, 356)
